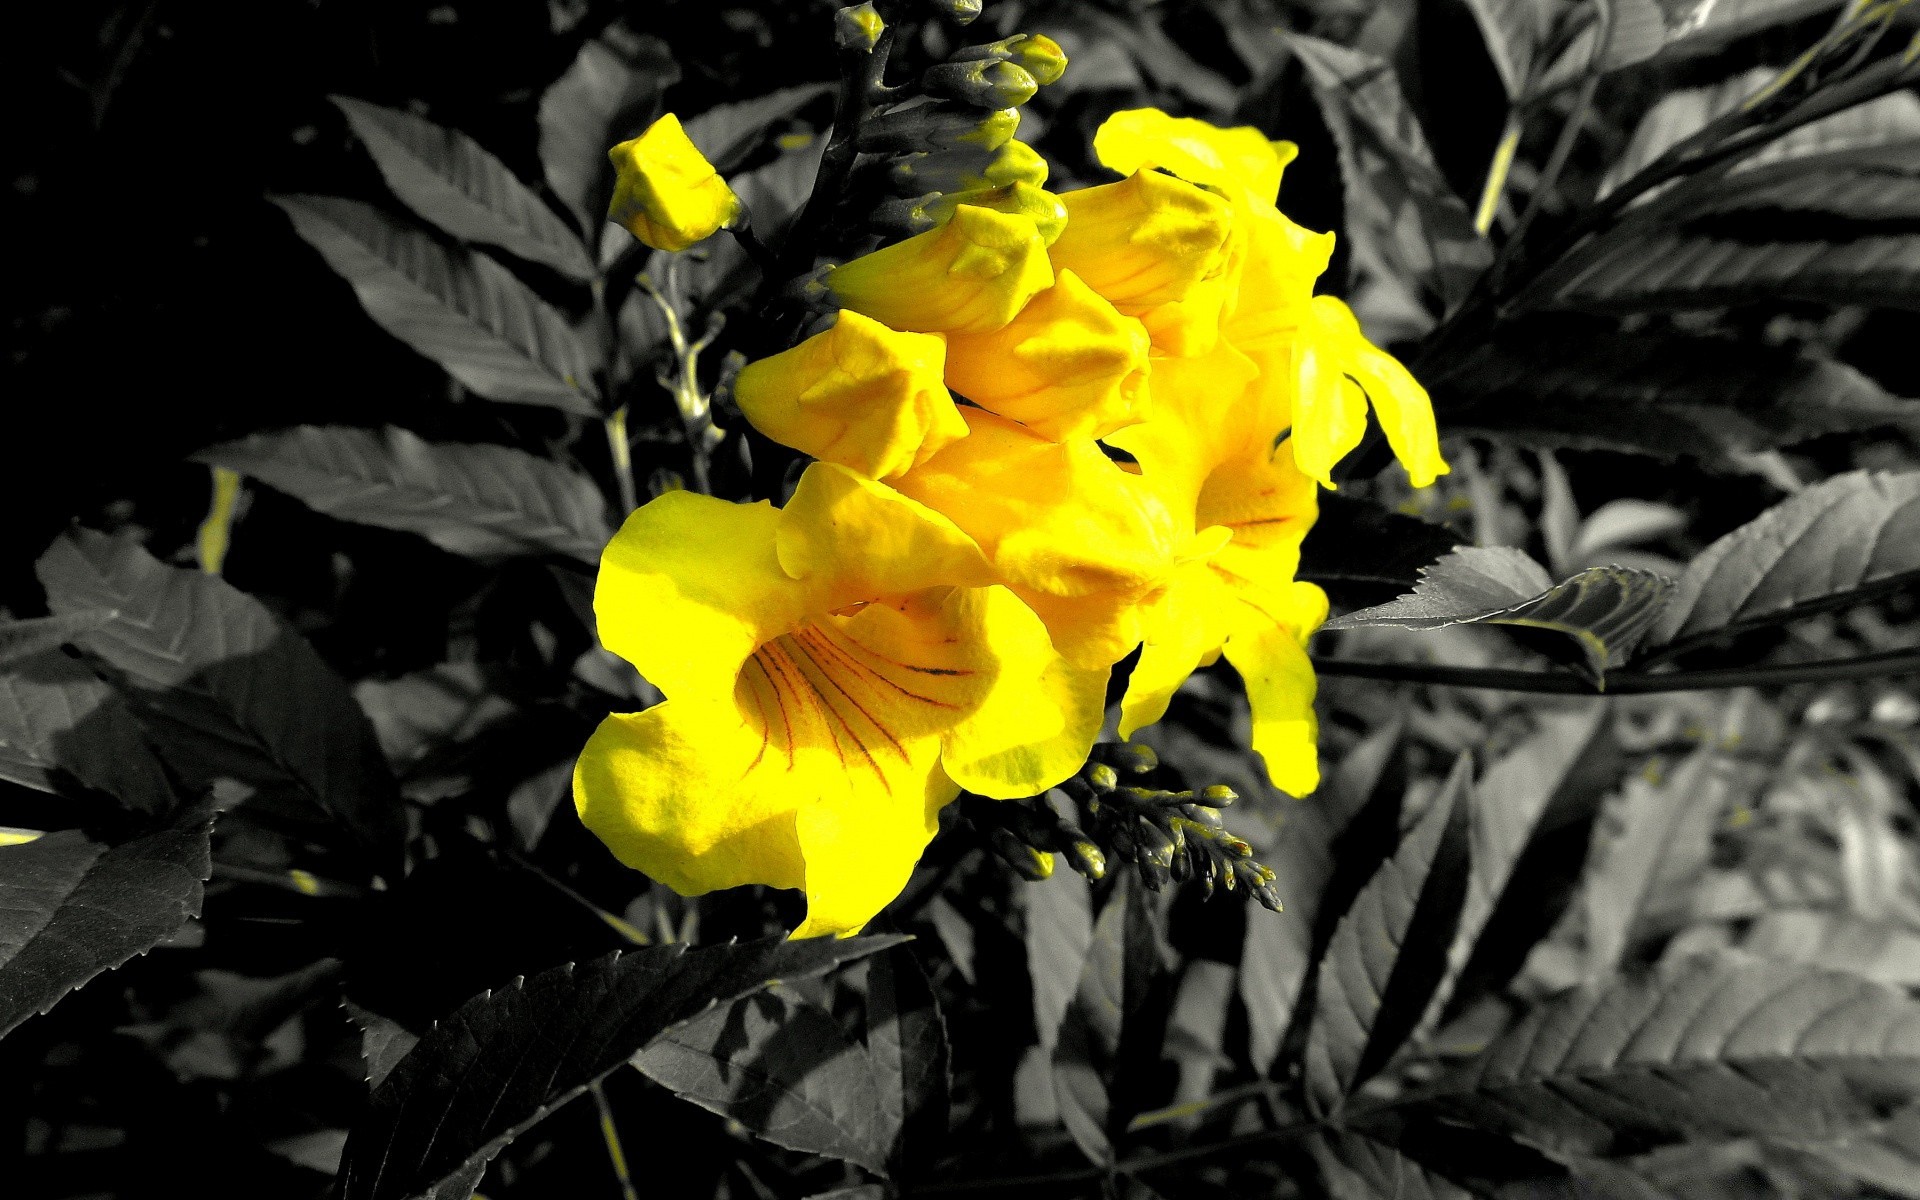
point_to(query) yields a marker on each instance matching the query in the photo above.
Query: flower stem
(615, 1152)
(622, 451)
(1497, 172)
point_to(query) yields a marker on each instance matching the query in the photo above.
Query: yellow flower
(1144, 241)
(1070, 365)
(668, 195)
(1337, 373)
(970, 275)
(859, 394)
(1083, 541)
(835, 671)
(1238, 160)
(1043, 208)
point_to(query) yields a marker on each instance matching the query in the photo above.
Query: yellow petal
(1403, 409)
(1185, 629)
(1269, 504)
(1070, 365)
(1278, 264)
(689, 586)
(1043, 208)
(1240, 158)
(1329, 409)
(859, 394)
(668, 195)
(1271, 657)
(1199, 419)
(1332, 417)
(1144, 241)
(861, 851)
(970, 275)
(853, 540)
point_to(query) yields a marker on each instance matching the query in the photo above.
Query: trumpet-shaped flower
(1070, 365)
(859, 394)
(971, 275)
(1145, 241)
(1241, 162)
(835, 671)
(667, 194)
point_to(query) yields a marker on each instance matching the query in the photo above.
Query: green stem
(615, 1152)
(622, 451)
(1497, 172)
(1866, 666)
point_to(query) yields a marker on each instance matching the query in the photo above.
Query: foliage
(1612, 885)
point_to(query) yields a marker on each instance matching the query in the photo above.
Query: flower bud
(1036, 54)
(965, 168)
(1030, 864)
(1086, 858)
(929, 127)
(984, 83)
(859, 394)
(1218, 795)
(1069, 365)
(668, 195)
(1102, 777)
(1206, 818)
(1043, 208)
(971, 275)
(1145, 241)
(857, 27)
(960, 12)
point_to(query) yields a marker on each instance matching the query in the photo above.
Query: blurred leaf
(1657, 839)
(506, 1059)
(1059, 930)
(1514, 31)
(1644, 391)
(781, 1066)
(486, 502)
(907, 1039)
(1879, 950)
(1700, 27)
(225, 688)
(1363, 554)
(607, 96)
(1877, 183)
(383, 1041)
(728, 133)
(1604, 609)
(1888, 1157)
(461, 309)
(1704, 1049)
(1396, 197)
(1196, 1035)
(452, 181)
(71, 908)
(61, 728)
(1819, 548)
(1636, 31)
(1358, 1167)
(1677, 272)
(1379, 972)
(1281, 948)
(1113, 983)
(21, 640)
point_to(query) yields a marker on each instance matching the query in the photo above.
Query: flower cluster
(1049, 431)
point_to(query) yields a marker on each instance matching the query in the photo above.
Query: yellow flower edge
(667, 194)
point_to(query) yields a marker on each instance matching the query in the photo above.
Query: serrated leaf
(1396, 198)
(1678, 272)
(1635, 31)
(1514, 31)
(727, 133)
(21, 640)
(1701, 27)
(1361, 553)
(506, 1059)
(1605, 609)
(780, 1065)
(1839, 941)
(1705, 1049)
(226, 689)
(1554, 384)
(1876, 183)
(485, 502)
(1813, 550)
(605, 97)
(907, 1039)
(1113, 983)
(1357, 1167)
(1378, 974)
(461, 309)
(383, 1041)
(62, 729)
(1280, 948)
(1058, 930)
(71, 908)
(453, 182)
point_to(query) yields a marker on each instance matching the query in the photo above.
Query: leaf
(1882, 951)
(1678, 272)
(1362, 553)
(1705, 1049)
(454, 183)
(1819, 548)
(1397, 200)
(1554, 384)
(1280, 949)
(383, 1041)
(1113, 984)
(485, 502)
(605, 97)
(728, 133)
(1357, 1167)
(507, 1058)
(780, 1065)
(1514, 31)
(907, 1039)
(1059, 931)
(1605, 609)
(62, 729)
(1700, 27)
(71, 908)
(1371, 994)
(461, 309)
(21, 640)
(1660, 838)
(225, 688)
(1877, 183)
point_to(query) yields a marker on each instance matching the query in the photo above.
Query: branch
(1866, 666)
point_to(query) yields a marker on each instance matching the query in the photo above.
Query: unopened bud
(1048, 213)
(1153, 874)
(1206, 818)
(965, 168)
(858, 28)
(1086, 858)
(1133, 757)
(1268, 896)
(983, 83)
(960, 12)
(1102, 777)
(1218, 795)
(1030, 864)
(1039, 56)
(929, 127)
(1235, 847)
(1182, 867)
